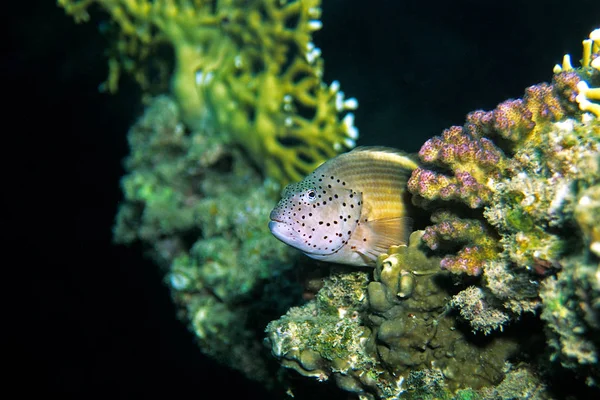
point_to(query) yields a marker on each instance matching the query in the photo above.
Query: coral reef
(200, 211)
(514, 198)
(517, 188)
(519, 383)
(572, 298)
(246, 67)
(388, 337)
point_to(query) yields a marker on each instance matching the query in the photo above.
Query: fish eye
(311, 194)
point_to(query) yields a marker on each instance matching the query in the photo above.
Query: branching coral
(482, 243)
(586, 95)
(247, 69)
(523, 180)
(517, 187)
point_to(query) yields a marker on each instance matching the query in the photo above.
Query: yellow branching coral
(246, 68)
(590, 60)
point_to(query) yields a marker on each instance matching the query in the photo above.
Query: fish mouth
(278, 229)
(274, 216)
(273, 224)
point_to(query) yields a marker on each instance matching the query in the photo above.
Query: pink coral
(464, 165)
(449, 229)
(473, 160)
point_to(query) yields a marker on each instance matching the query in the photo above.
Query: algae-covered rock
(377, 332)
(199, 208)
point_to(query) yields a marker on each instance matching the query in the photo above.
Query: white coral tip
(348, 119)
(582, 87)
(315, 24)
(353, 132)
(339, 101)
(351, 104)
(557, 69)
(313, 54)
(566, 63)
(334, 87)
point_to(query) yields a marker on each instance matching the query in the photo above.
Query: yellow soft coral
(590, 59)
(244, 68)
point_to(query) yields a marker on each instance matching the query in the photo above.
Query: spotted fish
(350, 209)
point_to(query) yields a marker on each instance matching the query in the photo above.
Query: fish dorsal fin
(384, 233)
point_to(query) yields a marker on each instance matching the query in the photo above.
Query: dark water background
(97, 317)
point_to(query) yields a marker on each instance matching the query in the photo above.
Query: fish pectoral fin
(388, 232)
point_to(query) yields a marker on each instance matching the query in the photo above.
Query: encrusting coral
(388, 337)
(245, 67)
